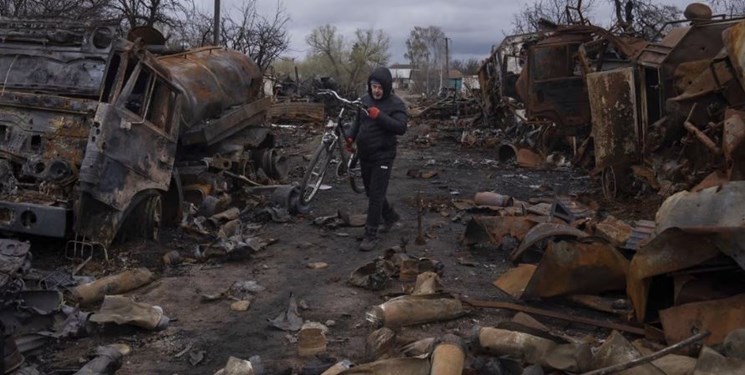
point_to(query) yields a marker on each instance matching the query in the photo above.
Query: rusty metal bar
(703, 138)
(649, 358)
(420, 234)
(555, 315)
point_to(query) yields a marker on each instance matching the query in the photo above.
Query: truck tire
(144, 221)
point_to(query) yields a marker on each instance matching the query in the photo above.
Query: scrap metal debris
(288, 320)
(661, 117)
(95, 291)
(108, 359)
(123, 310)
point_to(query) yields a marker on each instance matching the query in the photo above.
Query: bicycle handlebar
(356, 103)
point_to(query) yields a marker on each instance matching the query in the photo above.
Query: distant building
(455, 80)
(402, 76)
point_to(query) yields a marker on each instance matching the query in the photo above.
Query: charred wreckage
(102, 135)
(642, 115)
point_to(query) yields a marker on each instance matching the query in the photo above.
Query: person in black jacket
(375, 134)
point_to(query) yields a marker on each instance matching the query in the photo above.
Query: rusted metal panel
(734, 43)
(527, 158)
(230, 123)
(702, 42)
(613, 103)
(577, 268)
(671, 250)
(654, 55)
(515, 280)
(543, 231)
(707, 211)
(719, 317)
(733, 144)
(717, 210)
(715, 178)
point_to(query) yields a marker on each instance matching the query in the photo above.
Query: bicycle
(333, 138)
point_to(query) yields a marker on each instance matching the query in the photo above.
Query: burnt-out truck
(102, 135)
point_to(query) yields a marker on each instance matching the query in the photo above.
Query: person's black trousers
(375, 176)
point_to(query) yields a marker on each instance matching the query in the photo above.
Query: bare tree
(325, 42)
(349, 62)
(644, 18)
(370, 49)
(425, 49)
(135, 13)
(81, 10)
(467, 67)
(262, 38)
(194, 28)
(729, 7)
(559, 12)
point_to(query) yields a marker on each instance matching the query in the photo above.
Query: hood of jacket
(383, 76)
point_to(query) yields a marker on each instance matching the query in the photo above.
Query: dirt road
(212, 332)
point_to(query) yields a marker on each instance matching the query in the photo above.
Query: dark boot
(370, 241)
(390, 218)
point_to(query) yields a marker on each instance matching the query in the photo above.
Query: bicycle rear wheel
(316, 172)
(355, 174)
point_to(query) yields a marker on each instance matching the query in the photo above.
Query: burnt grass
(213, 330)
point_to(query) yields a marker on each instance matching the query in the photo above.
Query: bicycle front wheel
(316, 172)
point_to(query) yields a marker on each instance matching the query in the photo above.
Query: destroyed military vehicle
(101, 135)
(652, 115)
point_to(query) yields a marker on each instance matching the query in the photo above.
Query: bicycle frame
(330, 142)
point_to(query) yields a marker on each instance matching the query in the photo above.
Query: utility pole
(447, 63)
(216, 26)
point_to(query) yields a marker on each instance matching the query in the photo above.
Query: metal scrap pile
(645, 116)
(679, 275)
(38, 307)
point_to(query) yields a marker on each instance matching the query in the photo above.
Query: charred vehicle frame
(101, 135)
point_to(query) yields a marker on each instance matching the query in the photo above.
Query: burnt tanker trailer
(101, 135)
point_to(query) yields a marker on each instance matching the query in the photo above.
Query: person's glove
(373, 112)
(349, 145)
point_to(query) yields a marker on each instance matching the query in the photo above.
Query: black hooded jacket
(376, 138)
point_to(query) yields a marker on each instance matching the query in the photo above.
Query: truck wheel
(144, 221)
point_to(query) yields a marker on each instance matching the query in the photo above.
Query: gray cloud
(473, 25)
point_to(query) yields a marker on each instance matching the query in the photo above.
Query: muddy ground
(217, 332)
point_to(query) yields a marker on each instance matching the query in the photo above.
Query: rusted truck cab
(53, 82)
(640, 112)
(94, 128)
(552, 86)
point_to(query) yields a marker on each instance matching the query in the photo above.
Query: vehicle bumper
(35, 219)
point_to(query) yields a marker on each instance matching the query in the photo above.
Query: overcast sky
(472, 25)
